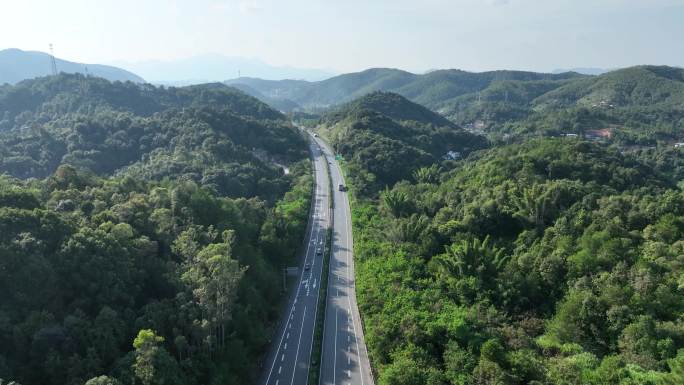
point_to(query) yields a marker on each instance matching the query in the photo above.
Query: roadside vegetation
(143, 231)
(635, 106)
(553, 261)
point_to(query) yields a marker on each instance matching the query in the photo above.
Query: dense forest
(434, 89)
(384, 136)
(632, 106)
(212, 134)
(553, 261)
(636, 106)
(142, 231)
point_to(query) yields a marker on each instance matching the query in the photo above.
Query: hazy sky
(348, 35)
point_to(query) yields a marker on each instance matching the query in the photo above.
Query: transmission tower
(52, 60)
(84, 81)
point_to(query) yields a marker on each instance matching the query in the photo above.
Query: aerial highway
(344, 358)
(290, 354)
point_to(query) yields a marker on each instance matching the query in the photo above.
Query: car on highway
(307, 267)
(319, 251)
(342, 187)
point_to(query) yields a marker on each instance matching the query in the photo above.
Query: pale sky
(351, 35)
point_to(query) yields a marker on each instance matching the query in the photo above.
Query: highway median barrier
(317, 350)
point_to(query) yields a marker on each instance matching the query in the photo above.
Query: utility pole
(52, 61)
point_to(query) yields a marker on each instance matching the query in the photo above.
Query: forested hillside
(142, 231)
(211, 134)
(555, 261)
(633, 106)
(385, 137)
(434, 89)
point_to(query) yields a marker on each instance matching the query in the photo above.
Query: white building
(452, 155)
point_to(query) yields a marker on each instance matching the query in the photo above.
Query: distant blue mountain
(213, 67)
(17, 65)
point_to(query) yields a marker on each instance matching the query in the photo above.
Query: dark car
(342, 187)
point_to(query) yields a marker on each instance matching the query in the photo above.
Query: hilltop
(640, 86)
(392, 105)
(385, 137)
(144, 131)
(433, 89)
(638, 105)
(17, 65)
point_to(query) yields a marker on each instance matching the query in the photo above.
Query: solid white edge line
(335, 350)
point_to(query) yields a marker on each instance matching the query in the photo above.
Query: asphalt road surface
(289, 360)
(345, 357)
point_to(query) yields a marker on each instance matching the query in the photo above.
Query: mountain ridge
(432, 89)
(384, 137)
(17, 65)
(620, 105)
(141, 130)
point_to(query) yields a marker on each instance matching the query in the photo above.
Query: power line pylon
(52, 61)
(84, 81)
